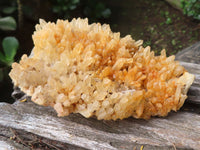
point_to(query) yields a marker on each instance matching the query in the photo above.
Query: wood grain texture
(190, 54)
(5, 140)
(190, 59)
(194, 91)
(181, 129)
(19, 139)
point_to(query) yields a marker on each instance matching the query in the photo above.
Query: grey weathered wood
(5, 140)
(15, 139)
(190, 54)
(194, 91)
(180, 130)
(5, 145)
(190, 59)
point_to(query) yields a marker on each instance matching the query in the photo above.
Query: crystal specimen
(77, 67)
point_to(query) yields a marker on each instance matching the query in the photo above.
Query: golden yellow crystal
(77, 67)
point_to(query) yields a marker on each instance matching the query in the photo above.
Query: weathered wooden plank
(194, 69)
(191, 67)
(194, 91)
(180, 130)
(190, 54)
(109, 134)
(190, 59)
(93, 134)
(5, 140)
(15, 139)
(7, 146)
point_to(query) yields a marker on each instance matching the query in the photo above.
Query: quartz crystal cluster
(77, 67)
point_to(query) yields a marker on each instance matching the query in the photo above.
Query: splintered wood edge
(174, 130)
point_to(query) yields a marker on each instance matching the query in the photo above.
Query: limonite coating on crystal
(77, 67)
